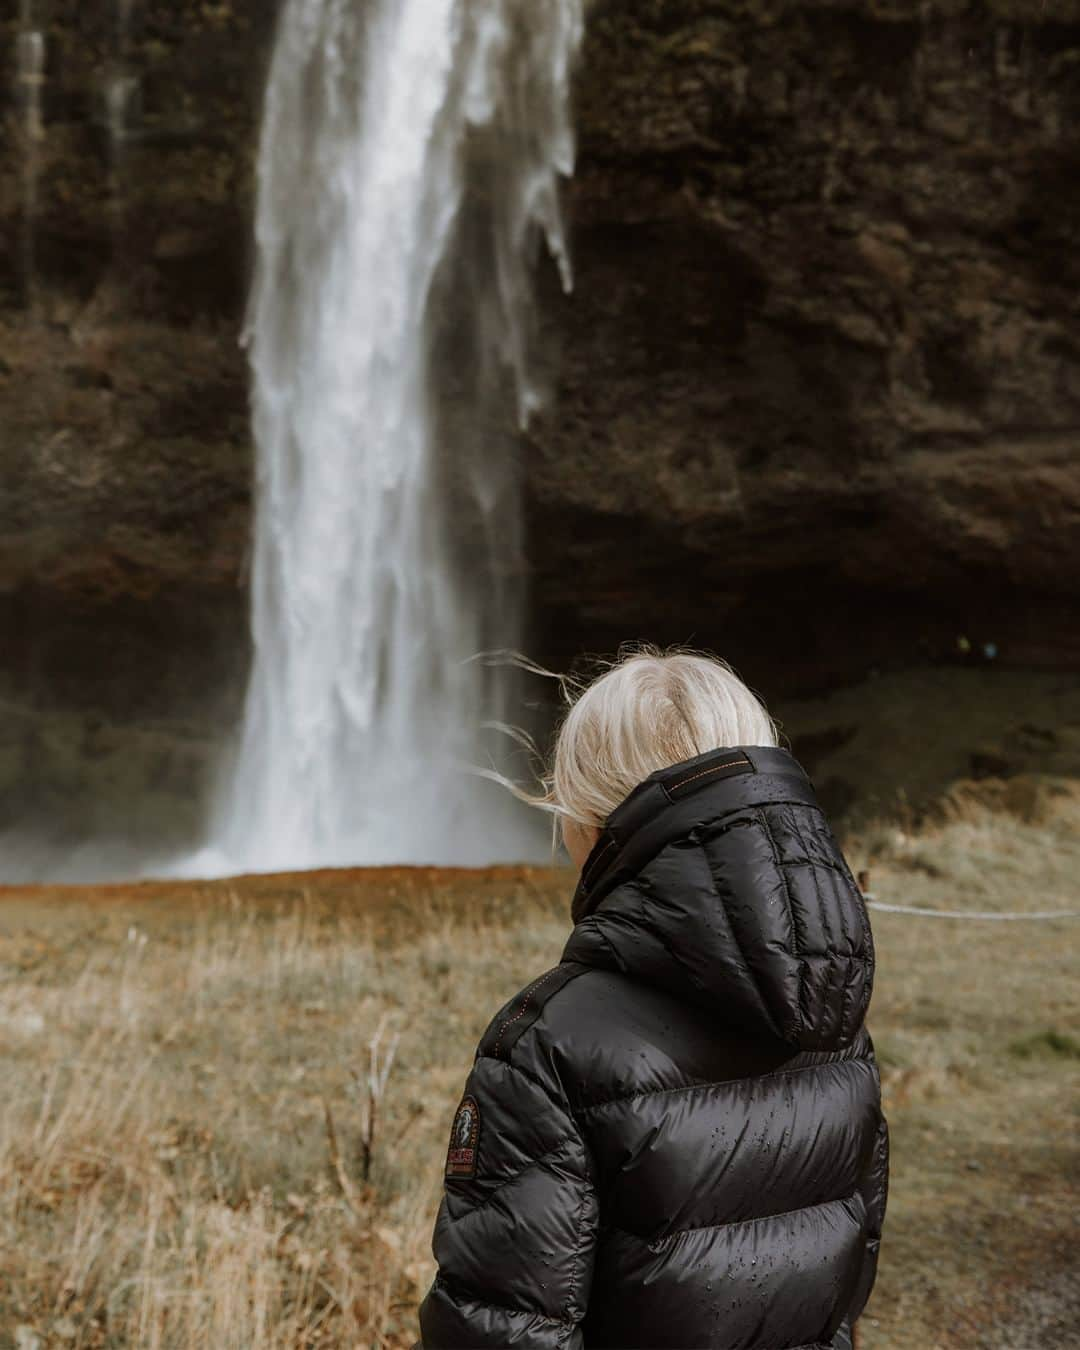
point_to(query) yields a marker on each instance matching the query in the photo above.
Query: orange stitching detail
(524, 1004)
(717, 768)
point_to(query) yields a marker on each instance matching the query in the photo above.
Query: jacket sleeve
(516, 1231)
(874, 1188)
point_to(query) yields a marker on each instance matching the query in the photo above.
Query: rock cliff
(815, 397)
(818, 391)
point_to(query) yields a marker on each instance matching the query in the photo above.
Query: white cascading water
(364, 709)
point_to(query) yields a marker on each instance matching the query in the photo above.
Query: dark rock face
(819, 389)
(126, 460)
(816, 397)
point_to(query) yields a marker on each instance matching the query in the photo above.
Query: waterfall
(409, 166)
(121, 94)
(29, 86)
(122, 87)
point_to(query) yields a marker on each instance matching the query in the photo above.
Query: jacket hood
(719, 880)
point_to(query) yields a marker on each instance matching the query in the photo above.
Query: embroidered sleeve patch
(464, 1140)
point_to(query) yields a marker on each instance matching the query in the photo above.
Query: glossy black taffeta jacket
(675, 1137)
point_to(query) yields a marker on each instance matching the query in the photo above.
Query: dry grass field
(188, 1156)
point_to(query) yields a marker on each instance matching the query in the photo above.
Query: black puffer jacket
(674, 1138)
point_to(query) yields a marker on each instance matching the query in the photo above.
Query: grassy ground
(186, 1154)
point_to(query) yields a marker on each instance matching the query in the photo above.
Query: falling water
(121, 92)
(121, 86)
(411, 154)
(29, 86)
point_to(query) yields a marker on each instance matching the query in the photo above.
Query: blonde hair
(649, 709)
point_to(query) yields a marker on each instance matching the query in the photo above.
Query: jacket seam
(643, 897)
(599, 929)
(848, 1009)
(506, 1181)
(797, 942)
(823, 909)
(591, 871)
(719, 1082)
(835, 949)
(748, 966)
(462, 1295)
(810, 954)
(751, 809)
(704, 773)
(806, 860)
(587, 1184)
(537, 1083)
(592, 925)
(509, 1021)
(655, 1243)
(572, 1290)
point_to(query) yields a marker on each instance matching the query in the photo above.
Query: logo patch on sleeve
(464, 1140)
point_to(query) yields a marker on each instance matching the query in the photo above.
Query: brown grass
(172, 1056)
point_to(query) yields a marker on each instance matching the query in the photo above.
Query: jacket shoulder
(520, 1013)
(592, 1035)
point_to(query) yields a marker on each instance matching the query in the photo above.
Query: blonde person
(674, 1137)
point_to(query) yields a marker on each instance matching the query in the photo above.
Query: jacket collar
(671, 801)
